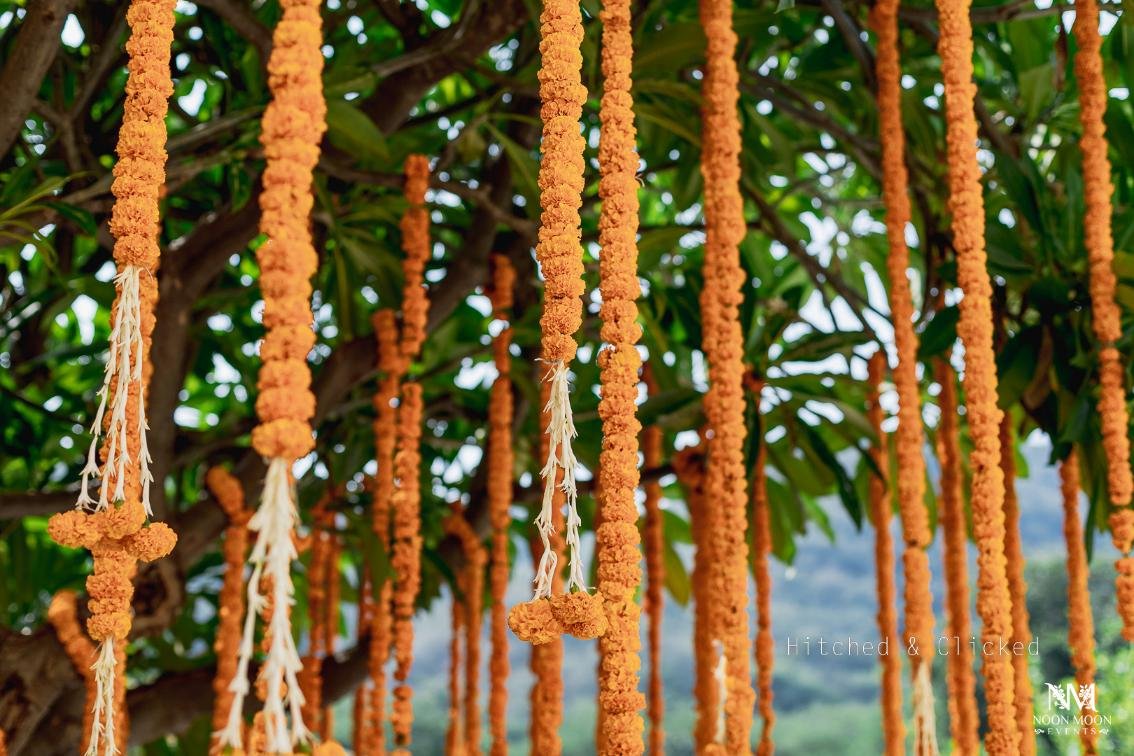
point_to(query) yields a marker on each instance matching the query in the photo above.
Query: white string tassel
(925, 729)
(102, 725)
(271, 558)
(560, 431)
(720, 674)
(123, 367)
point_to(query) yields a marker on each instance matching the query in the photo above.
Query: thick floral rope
(291, 130)
(688, 464)
(63, 614)
(115, 535)
(617, 538)
(139, 177)
(319, 607)
(762, 552)
(454, 741)
(230, 604)
(1105, 314)
(406, 555)
(1080, 622)
(560, 257)
(959, 677)
(546, 662)
(893, 728)
(405, 500)
(975, 328)
(471, 586)
(1018, 589)
(726, 483)
(382, 489)
(916, 531)
(654, 542)
(500, 466)
(360, 711)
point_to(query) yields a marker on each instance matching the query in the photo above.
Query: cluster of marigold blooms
(1105, 314)
(916, 532)
(559, 253)
(975, 329)
(722, 342)
(323, 592)
(653, 538)
(893, 725)
(617, 538)
(500, 468)
(405, 500)
(117, 535)
(761, 553)
(464, 712)
(546, 662)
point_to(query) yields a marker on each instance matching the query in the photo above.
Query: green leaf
(352, 131)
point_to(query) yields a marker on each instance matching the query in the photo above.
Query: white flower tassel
(560, 430)
(102, 727)
(123, 367)
(271, 558)
(925, 730)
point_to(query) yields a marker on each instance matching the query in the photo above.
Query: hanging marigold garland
(470, 585)
(654, 538)
(960, 679)
(322, 610)
(500, 465)
(63, 614)
(1017, 587)
(559, 253)
(975, 328)
(761, 553)
(689, 465)
(725, 477)
(1080, 622)
(382, 489)
(291, 130)
(617, 538)
(916, 532)
(360, 711)
(893, 728)
(1105, 314)
(406, 497)
(115, 534)
(230, 604)
(546, 662)
(454, 742)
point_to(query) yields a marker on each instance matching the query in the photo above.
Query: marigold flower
(966, 204)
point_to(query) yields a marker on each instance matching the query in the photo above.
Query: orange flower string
(454, 743)
(230, 604)
(960, 680)
(500, 465)
(1105, 314)
(471, 585)
(560, 257)
(1081, 624)
(63, 614)
(1014, 553)
(360, 711)
(406, 497)
(652, 439)
(966, 205)
(291, 131)
(761, 553)
(406, 555)
(689, 466)
(115, 534)
(726, 483)
(546, 662)
(893, 728)
(318, 604)
(910, 439)
(617, 538)
(382, 489)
